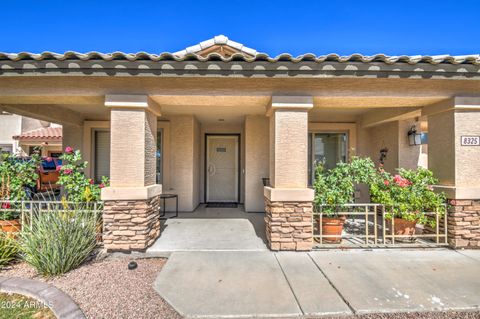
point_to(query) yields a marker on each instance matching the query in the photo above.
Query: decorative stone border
(61, 304)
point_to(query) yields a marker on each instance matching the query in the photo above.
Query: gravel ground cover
(107, 289)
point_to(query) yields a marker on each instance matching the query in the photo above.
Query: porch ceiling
(208, 109)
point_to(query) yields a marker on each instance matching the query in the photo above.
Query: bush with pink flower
(408, 194)
(77, 187)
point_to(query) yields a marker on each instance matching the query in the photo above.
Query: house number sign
(470, 141)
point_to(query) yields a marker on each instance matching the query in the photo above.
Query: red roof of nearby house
(47, 133)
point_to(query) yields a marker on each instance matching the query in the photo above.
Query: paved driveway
(265, 284)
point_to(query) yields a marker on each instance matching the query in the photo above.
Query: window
(101, 154)
(55, 154)
(6, 148)
(327, 148)
(32, 150)
(158, 156)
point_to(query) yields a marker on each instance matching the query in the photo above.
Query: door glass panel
(326, 148)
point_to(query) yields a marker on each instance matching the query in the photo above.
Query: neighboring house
(209, 122)
(47, 139)
(21, 135)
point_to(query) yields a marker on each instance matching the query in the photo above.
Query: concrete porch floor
(211, 229)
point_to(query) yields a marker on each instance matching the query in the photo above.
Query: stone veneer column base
(131, 225)
(289, 225)
(464, 223)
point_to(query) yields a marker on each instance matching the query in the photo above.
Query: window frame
(94, 153)
(162, 156)
(350, 129)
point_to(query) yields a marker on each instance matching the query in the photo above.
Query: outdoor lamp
(414, 138)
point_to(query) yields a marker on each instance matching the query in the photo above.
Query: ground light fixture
(132, 265)
(414, 138)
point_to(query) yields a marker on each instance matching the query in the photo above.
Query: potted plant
(9, 218)
(335, 188)
(408, 198)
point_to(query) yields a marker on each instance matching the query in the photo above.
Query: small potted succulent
(336, 187)
(408, 198)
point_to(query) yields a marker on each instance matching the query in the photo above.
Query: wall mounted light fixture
(414, 138)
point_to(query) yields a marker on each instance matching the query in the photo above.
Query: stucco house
(21, 135)
(210, 122)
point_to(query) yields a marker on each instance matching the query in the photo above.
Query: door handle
(211, 169)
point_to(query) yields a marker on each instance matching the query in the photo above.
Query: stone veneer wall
(131, 224)
(464, 223)
(289, 225)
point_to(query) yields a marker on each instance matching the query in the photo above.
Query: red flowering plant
(408, 194)
(17, 176)
(78, 188)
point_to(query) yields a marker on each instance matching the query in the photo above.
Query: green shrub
(336, 187)
(408, 194)
(78, 188)
(56, 242)
(8, 249)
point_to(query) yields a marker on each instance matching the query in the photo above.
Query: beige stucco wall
(393, 135)
(150, 145)
(182, 160)
(256, 161)
(133, 145)
(10, 125)
(385, 135)
(73, 137)
(441, 154)
(289, 148)
(467, 166)
(410, 157)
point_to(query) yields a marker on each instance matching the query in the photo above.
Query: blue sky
(274, 27)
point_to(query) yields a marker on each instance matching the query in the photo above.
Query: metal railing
(367, 226)
(26, 210)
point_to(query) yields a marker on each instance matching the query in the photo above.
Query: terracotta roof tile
(245, 54)
(47, 133)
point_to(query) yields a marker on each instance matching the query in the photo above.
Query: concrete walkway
(212, 229)
(265, 284)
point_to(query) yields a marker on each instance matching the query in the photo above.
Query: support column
(131, 213)
(288, 201)
(457, 166)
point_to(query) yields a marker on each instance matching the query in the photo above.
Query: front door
(222, 153)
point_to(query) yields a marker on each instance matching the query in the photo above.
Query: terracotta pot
(10, 226)
(332, 226)
(404, 227)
